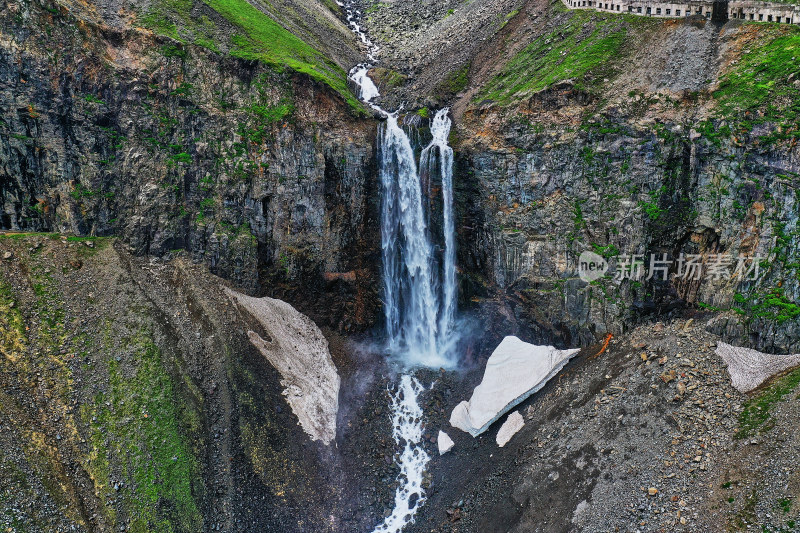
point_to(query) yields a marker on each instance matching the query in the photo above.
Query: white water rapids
(419, 286)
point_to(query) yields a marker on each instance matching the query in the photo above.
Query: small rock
(7, 255)
(445, 443)
(652, 491)
(666, 377)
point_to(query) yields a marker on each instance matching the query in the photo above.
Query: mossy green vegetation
(585, 48)
(755, 418)
(137, 433)
(762, 86)
(264, 39)
(387, 78)
(256, 36)
(454, 83)
(12, 326)
(771, 305)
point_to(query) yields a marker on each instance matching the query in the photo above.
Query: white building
(718, 10)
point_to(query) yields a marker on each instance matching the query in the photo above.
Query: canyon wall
(261, 173)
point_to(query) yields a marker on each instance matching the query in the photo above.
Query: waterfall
(417, 324)
(440, 129)
(419, 289)
(419, 282)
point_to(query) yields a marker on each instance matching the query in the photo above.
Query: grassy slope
(143, 466)
(585, 48)
(762, 86)
(256, 36)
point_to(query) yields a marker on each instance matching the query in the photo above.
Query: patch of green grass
(263, 39)
(15, 235)
(388, 78)
(136, 429)
(256, 36)
(585, 48)
(93, 99)
(181, 157)
(608, 251)
(80, 192)
(12, 326)
(454, 83)
(508, 18)
(162, 15)
(772, 305)
(756, 411)
(273, 113)
(760, 87)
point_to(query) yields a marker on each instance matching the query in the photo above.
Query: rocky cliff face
(662, 145)
(265, 176)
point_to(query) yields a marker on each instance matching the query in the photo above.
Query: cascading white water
(419, 288)
(411, 299)
(440, 129)
(407, 429)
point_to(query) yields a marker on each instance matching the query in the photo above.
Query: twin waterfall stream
(419, 286)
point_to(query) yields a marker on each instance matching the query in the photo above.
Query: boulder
(750, 368)
(445, 443)
(297, 349)
(510, 427)
(515, 370)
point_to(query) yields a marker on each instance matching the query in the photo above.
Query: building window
(617, 7)
(760, 16)
(769, 18)
(669, 11)
(658, 11)
(649, 10)
(638, 9)
(677, 12)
